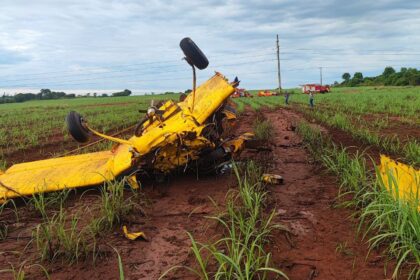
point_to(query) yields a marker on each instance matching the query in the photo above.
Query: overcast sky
(104, 45)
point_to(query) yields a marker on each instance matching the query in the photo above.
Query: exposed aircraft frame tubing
(113, 139)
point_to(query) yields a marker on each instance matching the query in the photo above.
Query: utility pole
(278, 62)
(320, 74)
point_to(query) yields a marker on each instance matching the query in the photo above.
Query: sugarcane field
(174, 140)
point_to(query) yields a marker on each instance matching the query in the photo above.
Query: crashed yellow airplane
(173, 135)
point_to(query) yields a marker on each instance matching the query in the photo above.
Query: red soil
(323, 243)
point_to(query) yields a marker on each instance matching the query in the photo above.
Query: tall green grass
(4, 227)
(240, 252)
(263, 129)
(410, 151)
(42, 202)
(74, 236)
(388, 223)
(113, 205)
(345, 108)
(393, 223)
(63, 236)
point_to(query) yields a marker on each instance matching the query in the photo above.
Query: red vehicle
(267, 93)
(315, 88)
(241, 92)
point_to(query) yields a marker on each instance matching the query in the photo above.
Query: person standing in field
(311, 99)
(286, 97)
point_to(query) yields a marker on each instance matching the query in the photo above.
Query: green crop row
(388, 223)
(345, 109)
(34, 123)
(397, 101)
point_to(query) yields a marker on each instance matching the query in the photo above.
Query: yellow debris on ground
(133, 235)
(273, 179)
(400, 179)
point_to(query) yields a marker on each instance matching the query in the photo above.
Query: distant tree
(94, 94)
(389, 77)
(45, 93)
(346, 77)
(413, 77)
(388, 71)
(187, 91)
(125, 92)
(104, 95)
(357, 79)
(358, 76)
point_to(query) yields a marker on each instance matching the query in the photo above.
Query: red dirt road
(323, 243)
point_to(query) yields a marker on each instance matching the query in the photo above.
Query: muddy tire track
(322, 243)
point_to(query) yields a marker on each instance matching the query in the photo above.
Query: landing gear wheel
(76, 128)
(193, 54)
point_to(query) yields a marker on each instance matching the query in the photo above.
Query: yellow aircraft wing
(65, 172)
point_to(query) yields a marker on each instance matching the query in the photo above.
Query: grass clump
(412, 152)
(62, 236)
(114, 206)
(73, 237)
(19, 273)
(4, 223)
(42, 202)
(263, 129)
(240, 253)
(4, 227)
(3, 163)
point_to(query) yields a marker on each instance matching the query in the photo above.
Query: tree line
(389, 77)
(47, 94)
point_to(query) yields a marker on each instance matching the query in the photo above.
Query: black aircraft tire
(193, 53)
(76, 128)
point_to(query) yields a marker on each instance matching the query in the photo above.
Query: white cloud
(96, 41)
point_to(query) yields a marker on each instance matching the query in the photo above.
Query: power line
(70, 82)
(142, 63)
(152, 67)
(121, 70)
(174, 78)
(315, 51)
(329, 50)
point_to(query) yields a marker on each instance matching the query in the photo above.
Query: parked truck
(315, 88)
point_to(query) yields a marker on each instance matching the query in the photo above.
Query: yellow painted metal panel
(209, 97)
(406, 177)
(66, 172)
